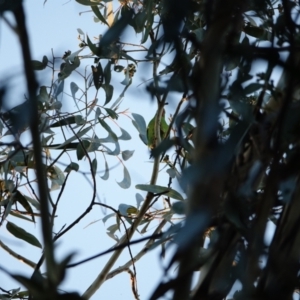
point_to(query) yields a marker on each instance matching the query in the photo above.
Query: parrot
(150, 130)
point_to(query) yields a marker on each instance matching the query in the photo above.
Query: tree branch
(17, 256)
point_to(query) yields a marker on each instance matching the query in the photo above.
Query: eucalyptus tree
(231, 143)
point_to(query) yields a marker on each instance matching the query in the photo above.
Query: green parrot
(150, 130)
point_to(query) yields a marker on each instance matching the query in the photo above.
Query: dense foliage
(232, 144)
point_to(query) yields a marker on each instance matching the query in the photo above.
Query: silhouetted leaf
(140, 124)
(20, 233)
(252, 87)
(125, 136)
(97, 12)
(69, 120)
(139, 199)
(74, 88)
(126, 182)
(107, 73)
(72, 167)
(93, 47)
(157, 189)
(23, 201)
(89, 3)
(112, 113)
(106, 174)
(108, 217)
(79, 134)
(127, 154)
(82, 148)
(109, 91)
(94, 165)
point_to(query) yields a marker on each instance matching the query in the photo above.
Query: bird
(152, 139)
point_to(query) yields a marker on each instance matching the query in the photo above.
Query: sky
(53, 27)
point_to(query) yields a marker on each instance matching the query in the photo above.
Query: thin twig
(17, 256)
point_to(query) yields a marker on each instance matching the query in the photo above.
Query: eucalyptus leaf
(125, 136)
(88, 2)
(74, 88)
(97, 12)
(72, 167)
(106, 173)
(112, 113)
(126, 182)
(157, 189)
(126, 154)
(108, 217)
(140, 124)
(109, 90)
(139, 199)
(20, 233)
(68, 121)
(94, 166)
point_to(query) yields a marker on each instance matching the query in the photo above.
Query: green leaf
(106, 173)
(139, 199)
(150, 20)
(257, 32)
(108, 129)
(108, 217)
(58, 89)
(112, 113)
(126, 182)
(72, 167)
(18, 215)
(24, 202)
(126, 56)
(111, 232)
(139, 21)
(97, 12)
(88, 2)
(109, 90)
(69, 120)
(94, 166)
(74, 88)
(33, 202)
(80, 133)
(80, 31)
(157, 189)
(125, 136)
(252, 87)
(140, 124)
(80, 150)
(20, 233)
(107, 73)
(38, 65)
(9, 204)
(93, 47)
(68, 67)
(127, 154)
